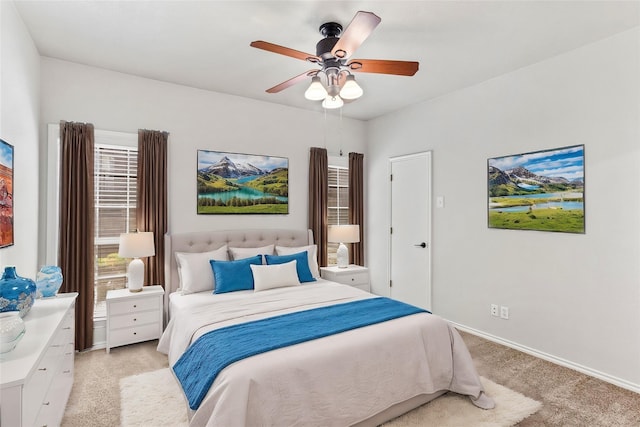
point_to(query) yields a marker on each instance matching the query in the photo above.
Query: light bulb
(316, 91)
(331, 102)
(351, 89)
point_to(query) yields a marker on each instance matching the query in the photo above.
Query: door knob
(422, 245)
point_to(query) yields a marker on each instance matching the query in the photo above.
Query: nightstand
(134, 317)
(352, 275)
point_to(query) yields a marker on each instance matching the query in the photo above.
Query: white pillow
(242, 253)
(194, 269)
(274, 276)
(312, 252)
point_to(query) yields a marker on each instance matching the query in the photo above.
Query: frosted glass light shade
(315, 92)
(331, 102)
(351, 89)
(136, 245)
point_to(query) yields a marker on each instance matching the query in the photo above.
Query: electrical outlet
(504, 312)
(494, 310)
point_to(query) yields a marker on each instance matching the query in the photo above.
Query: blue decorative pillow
(302, 264)
(234, 275)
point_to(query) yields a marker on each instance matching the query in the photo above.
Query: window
(115, 169)
(115, 213)
(337, 204)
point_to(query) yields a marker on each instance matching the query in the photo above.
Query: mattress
(343, 379)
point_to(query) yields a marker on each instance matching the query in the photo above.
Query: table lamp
(343, 234)
(136, 246)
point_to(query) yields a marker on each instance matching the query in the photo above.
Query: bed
(361, 376)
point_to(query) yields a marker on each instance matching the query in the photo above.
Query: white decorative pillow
(274, 276)
(242, 253)
(195, 271)
(312, 252)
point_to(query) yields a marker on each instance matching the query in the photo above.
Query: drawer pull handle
(135, 306)
(135, 333)
(45, 403)
(56, 345)
(68, 354)
(66, 372)
(67, 328)
(42, 369)
(135, 319)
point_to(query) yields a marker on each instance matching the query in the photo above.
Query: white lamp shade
(344, 233)
(316, 91)
(136, 245)
(351, 89)
(331, 102)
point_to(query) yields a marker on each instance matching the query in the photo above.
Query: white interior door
(410, 230)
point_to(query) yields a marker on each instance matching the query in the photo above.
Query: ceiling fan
(333, 54)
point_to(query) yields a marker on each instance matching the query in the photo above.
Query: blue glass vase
(48, 281)
(16, 293)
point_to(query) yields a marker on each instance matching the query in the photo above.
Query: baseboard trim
(553, 359)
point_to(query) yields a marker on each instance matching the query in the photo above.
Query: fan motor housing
(331, 32)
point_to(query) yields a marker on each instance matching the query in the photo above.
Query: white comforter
(339, 380)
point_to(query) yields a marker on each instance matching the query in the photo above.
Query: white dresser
(352, 275)
(134, 317)
(37, 375)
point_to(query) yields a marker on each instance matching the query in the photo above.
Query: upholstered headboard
(204, 241)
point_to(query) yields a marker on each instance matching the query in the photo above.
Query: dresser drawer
(133, 335)
(134, 305)
(133, 319)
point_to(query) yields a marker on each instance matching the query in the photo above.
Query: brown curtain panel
(318, 190)
(76, 254)
(151, 209)
(356, 205)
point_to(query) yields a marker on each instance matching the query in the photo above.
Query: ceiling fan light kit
(332, 53)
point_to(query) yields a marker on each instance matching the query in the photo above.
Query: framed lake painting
(233, 183)
(6, 194)
(543, 190)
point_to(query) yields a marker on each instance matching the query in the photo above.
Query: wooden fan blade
(292, 81)
(356, 32)
(270, 47)
(383, 66)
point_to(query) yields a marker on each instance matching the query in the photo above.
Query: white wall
(197, 119)
(573, 297)
(19, 114)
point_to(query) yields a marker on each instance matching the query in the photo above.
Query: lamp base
(342, 255)
(135, 275)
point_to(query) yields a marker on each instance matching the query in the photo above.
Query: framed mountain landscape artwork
(543, 190)
(233, 183)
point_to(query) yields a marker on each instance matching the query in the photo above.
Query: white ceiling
(205, 44)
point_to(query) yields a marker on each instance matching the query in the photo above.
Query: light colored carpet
(139, 392)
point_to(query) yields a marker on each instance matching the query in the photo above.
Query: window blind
(115, 213)
(337, 204)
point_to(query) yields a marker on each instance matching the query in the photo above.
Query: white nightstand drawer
(134, 305)
(360, 278)
(352, 275)
(133, 319)
(133, 335)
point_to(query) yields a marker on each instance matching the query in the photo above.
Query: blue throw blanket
(199, 366)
